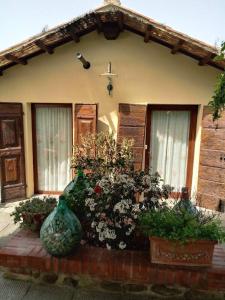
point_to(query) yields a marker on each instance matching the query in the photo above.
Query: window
(170, 137)
(52, 133)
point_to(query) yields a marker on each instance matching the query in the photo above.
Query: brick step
(24, 252)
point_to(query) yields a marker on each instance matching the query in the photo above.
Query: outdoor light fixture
(109, 75)
(85, 63)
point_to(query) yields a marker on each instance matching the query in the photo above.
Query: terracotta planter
(193, 253)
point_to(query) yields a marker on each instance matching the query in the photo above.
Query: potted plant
(181, 234)
(32, 213)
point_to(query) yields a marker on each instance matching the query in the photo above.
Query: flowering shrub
(115, 193)
(113, 209)
(102, 154)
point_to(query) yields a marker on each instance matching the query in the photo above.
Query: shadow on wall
(106, 126)
(102, 126)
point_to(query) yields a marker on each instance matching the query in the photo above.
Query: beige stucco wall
(147, 73)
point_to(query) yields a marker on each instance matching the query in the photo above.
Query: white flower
(90, 191)
(100, 226)
(93, 224)
(146, 180)
(130, 230)
(110, 234)
(108, 246)
(122, 206)
(135, 210)
(118, 225)
(92, 206)
(89, 201)
(101, 237)
(122, 245)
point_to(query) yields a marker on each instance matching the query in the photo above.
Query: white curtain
(54, 147)
(169, 146)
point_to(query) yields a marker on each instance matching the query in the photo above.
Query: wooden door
(12, 166)
(85, 121)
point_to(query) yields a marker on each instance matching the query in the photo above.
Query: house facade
(161, 82)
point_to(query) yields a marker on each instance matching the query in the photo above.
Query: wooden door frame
(34, 139)
(193, 109)
(22, 148)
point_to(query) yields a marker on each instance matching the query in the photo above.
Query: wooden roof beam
(16, 59)
(148, 32)
(44, 47)
(71, 30)
(99, 23)
(205, 60)
(176, 48)
(121, 21)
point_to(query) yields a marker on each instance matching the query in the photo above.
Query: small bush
(32, 213)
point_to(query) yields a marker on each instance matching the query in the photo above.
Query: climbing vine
(218, 99)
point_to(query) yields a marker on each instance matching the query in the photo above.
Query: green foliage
(31, 213)
(181, 224)
(221, 55)
(75, 194)
(101, 153)
(218, 99)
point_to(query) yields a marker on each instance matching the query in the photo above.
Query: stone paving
(7, 227)
(21, 290)
(11, 289)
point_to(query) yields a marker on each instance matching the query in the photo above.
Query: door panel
(132, 119)
(9, 133)
(12, 166)
(11, 170)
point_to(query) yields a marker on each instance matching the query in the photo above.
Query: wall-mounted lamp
(109, 75)
(85, 63)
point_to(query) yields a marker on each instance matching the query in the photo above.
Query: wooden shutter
(85, 120)
(132, 120)
(211, 185)
(12, 164)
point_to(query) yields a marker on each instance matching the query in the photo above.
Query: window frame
(193, 109)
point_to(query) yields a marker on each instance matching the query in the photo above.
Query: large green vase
(61, 232)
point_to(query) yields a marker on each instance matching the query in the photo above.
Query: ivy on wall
(218, 99)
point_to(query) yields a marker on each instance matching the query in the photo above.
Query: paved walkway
(7, 227)
(21, 290)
